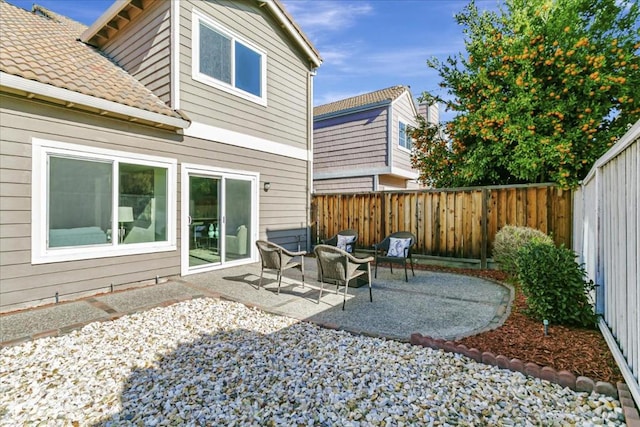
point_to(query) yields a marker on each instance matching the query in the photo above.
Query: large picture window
(223, 60)
(92, 203)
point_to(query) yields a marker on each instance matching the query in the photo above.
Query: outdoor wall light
(267, 186)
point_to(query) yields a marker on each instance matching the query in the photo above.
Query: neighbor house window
(91, 203)
(222, 60)
(403, 137)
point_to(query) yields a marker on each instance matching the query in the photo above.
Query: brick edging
(563, 377)
(629, 409)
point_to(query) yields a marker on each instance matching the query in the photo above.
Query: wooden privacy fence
(459, 223)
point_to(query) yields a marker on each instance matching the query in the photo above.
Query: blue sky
(366, 45)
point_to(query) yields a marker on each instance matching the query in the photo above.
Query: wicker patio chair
(395, 249)
(340, 267)
(345, 240)
(277, 258)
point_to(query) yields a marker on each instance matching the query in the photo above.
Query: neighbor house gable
(360, 137)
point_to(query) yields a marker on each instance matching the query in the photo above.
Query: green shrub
(555, 286)
(508, 242)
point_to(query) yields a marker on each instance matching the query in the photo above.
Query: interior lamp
(125, 214)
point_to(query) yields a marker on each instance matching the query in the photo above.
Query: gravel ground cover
(211, 362)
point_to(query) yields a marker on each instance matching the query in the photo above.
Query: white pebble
(211, 362)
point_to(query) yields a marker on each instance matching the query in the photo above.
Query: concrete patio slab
(440, 305)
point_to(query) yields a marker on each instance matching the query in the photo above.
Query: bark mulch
(581, 351)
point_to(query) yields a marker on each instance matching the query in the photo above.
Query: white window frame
(41, 254)
(198, 17)
(407, 138)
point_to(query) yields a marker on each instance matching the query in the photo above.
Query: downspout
(310, 76)
(390, 144)
(175, 55)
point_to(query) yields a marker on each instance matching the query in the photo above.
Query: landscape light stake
(545, 322)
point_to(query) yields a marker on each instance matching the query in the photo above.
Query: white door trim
(203, 170)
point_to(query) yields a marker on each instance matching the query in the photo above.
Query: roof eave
(105, 106)
(103, 20)
(352, 110)
(273, 6)
(290, 27)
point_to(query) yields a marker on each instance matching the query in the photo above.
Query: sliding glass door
(238, 228)
(204, 220)
(220, 211)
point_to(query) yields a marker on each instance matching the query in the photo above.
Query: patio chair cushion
(343, 242)
(398, 247)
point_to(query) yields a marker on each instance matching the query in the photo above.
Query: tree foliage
(545, 88)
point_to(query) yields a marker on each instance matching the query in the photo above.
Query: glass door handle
(189, 220)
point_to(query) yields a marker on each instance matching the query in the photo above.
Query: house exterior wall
(27, 284)
(285, 119)
(143, 49)
(430, 112)
(354, 142)
(355, 184)
(390, 182)
(402, 111)
(23, 282)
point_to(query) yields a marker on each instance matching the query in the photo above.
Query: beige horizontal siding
(351, 143)
(344, 185)
(402, 112)
(285, 118)
(282, 210)
(143, 48)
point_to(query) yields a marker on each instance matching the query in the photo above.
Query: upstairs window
(403, 137)
(222, 60)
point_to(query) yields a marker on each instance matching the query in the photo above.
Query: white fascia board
(286, 24)
(410, 100)
(403, 173)
(107, 16)
(42, 89)
(350, 173)
(237, 139)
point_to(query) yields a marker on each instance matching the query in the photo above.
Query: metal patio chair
(395, 249)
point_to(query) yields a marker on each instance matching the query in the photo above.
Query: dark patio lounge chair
(345, 240)
(395, 249)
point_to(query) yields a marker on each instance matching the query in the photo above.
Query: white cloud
(316, 17)
(403, 63)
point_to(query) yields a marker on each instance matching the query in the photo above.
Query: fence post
(484, 227)
(383, 222)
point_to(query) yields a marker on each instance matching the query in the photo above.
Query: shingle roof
(378, 96)
(44, 47)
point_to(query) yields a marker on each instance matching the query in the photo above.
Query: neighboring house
(361, 143)
(141, 147)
